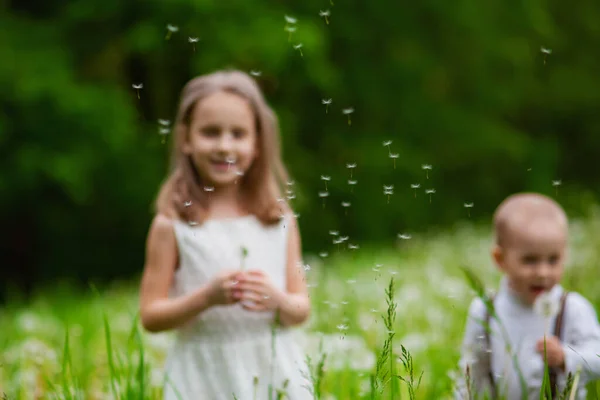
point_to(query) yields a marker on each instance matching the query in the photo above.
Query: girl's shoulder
(161, 224)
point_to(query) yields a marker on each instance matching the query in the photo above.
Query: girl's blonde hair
(261, 185)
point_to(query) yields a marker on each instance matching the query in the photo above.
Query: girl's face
(222, 138)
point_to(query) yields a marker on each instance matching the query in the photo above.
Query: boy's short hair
(525, 207)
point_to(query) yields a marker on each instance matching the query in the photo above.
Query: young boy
(530, 250)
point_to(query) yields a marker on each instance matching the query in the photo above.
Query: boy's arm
(582, 349)
(474, 356)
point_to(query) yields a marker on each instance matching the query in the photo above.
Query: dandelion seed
(556, 184)
(344, 238)
(255, 73)
(187, 203)
(415, 186)
(290, 183)
(373, 310)
(291, 197)
(344, 303)
(326, 103)
(352, 183)
(353, 246)
(306, 267)
(546, 53)
(163, 132)
(346, 204)
(290, 29)
(280, 200)
(388, 191)
(325, 14)
(230, 161)
(343, 327)
(348, 111)
(299, 48)
(430, 192)
(290, 20)
(209, 188)
(192, 223)
(326, 179)
(171, 29)
(387, 143)
(351, 167)
(468, 206)
(323, 195)
(334, 233)
(164, 122)
(138, 86)
(427, 168)
(404, 236)
(323, 254)
(394, 157)
(193, 41)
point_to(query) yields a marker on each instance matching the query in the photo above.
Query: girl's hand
(223, 288)
(257, 292)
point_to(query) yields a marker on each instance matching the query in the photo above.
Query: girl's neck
(226, 202)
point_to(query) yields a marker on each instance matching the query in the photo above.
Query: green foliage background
(460, 85)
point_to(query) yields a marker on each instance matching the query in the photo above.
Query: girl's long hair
(261, 185)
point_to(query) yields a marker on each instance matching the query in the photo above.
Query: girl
(223, 252)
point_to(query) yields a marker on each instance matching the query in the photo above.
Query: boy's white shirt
(524, 327)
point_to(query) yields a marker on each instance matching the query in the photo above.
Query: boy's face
(533, 258)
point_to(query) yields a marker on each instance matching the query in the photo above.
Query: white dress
(223, 351)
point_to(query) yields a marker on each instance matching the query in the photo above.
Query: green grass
(369, 336)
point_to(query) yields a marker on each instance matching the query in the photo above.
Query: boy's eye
(554, 259)
(530, 259)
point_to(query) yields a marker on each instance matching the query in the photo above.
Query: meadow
(73, 344)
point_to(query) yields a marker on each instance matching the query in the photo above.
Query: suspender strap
(558, 330)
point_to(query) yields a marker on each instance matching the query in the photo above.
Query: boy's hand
(555, 354)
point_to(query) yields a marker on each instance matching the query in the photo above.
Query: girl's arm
(294, 307)
(158, 312)
(473, 355)
(583, 347)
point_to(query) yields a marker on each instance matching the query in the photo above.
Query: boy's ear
(498, 256)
